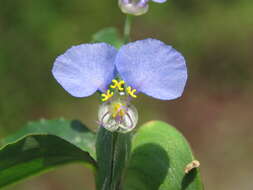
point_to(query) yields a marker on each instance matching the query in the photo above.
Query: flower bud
(134, 7)
(118, 116)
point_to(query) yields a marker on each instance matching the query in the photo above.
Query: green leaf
(159, 156)
(112, 154)
(42, 146)
(73, 132)
(108, 35)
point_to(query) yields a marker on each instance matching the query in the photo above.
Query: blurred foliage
(216, 37)
(31, 35)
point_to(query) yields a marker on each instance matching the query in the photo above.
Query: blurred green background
(215, 112)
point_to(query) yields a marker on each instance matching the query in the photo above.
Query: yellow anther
(121, 83)
(118, 84)
(118, 110)
(106, 96)
(131, 92)
(115, 83)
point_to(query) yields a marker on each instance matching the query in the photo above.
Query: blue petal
(152, 67)
(86, 68)
(159, 1)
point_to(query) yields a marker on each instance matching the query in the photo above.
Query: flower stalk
(127, 28)
(113, 150)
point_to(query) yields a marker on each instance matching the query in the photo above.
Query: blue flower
(148, 66)
(136, 7)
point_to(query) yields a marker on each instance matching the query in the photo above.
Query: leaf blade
(72, 131)
(43, 146)
(22, 159)
(159, 156)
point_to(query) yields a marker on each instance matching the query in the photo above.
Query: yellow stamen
(106, 96)
(117, 110)
(118, 84)
(131, 92)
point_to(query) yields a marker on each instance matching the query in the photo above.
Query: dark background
(215, 112)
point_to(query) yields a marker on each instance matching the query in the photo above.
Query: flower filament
(118, 85)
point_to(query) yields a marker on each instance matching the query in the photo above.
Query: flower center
(120, 87)
(118, 115)
(118, 110)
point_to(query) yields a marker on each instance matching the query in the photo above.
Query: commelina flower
(136, 7)
(147, 66)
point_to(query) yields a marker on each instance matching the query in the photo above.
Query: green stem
(112, 151)
(127, 28)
